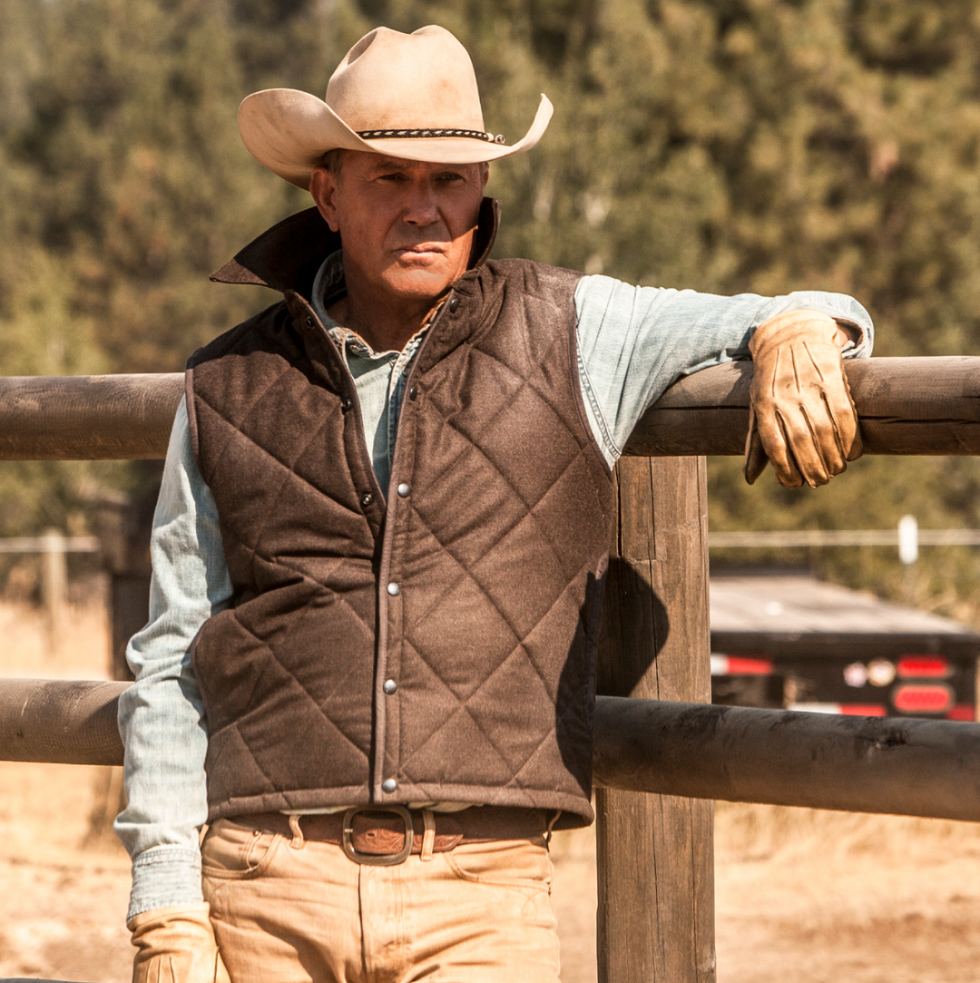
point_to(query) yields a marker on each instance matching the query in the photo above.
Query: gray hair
(333, 161)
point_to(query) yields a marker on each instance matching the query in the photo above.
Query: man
(380, 544)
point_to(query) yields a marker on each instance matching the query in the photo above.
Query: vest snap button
(348, 403)
(454, 305)
(389, 785)
(413, 392)
(367, 498)
(393, 589)
(309, 322)
(390, 687)
(404, 490)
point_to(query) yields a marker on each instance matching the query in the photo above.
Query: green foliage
(724, 145)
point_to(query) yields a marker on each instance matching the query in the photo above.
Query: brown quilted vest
(431, 641)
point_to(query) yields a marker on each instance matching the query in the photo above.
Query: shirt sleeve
(635, 342)
(161, 717)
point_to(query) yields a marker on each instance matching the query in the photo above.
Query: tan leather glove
(802, 417)
(176, 945)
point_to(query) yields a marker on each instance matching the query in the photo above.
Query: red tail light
(922, 699)
(962, 711)
(923, 667)
(748, 667)
(862, 710)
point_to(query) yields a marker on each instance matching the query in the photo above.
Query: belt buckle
(377, 859)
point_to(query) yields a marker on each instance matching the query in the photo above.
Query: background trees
(723, 145)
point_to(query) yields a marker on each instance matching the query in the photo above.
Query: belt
(387, 835)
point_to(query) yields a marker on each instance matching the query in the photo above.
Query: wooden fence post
(124, 523)
(655, 853)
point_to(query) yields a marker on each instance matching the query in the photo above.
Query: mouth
(420, 252)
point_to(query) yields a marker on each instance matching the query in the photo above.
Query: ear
(324, 188)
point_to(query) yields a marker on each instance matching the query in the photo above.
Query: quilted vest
(433, 640)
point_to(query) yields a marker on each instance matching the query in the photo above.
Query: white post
(908, 552)
(908, 539)
(54, 585)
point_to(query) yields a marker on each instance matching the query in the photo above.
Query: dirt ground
(816, 897)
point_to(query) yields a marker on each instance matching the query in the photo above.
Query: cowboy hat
(407, 95)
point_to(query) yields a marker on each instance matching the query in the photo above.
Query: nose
(421, 209)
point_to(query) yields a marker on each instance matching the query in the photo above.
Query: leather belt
(384, 836)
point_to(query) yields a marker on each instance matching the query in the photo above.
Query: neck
(384, 319)
(386, 326)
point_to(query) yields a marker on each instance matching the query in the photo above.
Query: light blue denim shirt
(633, 343)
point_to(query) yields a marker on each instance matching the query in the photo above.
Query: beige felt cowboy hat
(407, 95)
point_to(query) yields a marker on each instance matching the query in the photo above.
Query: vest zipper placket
(384, 581)
(384, 573)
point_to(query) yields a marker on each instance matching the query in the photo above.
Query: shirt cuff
(165, 876)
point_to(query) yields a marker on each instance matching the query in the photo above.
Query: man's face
(407, 225)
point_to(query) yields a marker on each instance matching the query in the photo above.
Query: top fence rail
(906, 406)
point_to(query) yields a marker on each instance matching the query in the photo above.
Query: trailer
(794, 642)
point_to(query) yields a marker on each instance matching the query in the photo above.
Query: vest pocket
(233, 852)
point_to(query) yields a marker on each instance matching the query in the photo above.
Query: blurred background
(722, 145)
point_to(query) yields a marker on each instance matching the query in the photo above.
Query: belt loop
(429, 837)
(297, 842)
(551, 827)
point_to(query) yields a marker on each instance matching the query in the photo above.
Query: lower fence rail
(903, 766)
(899, 765)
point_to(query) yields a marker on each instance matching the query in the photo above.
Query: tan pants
(287, 910)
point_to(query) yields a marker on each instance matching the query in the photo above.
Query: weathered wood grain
(906, 405)
(59, 722)
(94, 417)
(655, 852)
(896, 765)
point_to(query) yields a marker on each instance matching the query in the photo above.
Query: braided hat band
(412, 134)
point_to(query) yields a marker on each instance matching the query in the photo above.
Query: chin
(420, 285)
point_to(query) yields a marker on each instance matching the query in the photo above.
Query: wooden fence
(660, 757)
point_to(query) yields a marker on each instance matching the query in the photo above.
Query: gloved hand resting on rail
(801, 416)
(176, 945)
